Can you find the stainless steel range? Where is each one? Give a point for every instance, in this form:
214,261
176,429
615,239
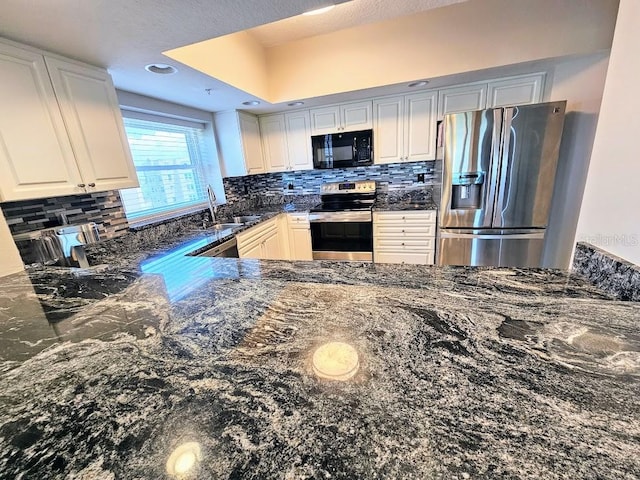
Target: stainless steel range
342,225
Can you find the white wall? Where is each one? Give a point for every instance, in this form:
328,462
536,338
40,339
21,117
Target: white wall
580,81
610,213
468,36
10,261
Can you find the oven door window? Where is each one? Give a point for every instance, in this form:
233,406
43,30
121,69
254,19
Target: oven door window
342,237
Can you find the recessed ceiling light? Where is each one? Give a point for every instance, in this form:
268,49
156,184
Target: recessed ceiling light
319,10
161,68
251,102
295,104
421,83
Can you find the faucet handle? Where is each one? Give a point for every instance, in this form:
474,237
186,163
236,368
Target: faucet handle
211,193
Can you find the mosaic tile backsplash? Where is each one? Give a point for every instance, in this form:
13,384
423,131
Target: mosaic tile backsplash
243,194
103,208
394,176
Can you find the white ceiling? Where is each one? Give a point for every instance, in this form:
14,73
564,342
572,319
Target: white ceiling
126,35
349,14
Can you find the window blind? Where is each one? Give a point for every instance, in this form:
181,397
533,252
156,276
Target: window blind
168,160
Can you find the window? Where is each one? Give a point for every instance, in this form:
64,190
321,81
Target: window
170,160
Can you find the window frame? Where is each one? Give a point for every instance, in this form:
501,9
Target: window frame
199,166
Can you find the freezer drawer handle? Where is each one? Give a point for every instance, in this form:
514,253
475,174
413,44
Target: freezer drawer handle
506,236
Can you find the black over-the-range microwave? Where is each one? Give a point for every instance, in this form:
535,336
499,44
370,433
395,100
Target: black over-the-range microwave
340,150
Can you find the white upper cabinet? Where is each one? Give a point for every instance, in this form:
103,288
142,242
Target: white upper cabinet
405,128
298,130
521,90
462,99
239,143
286,141
61,138
90,110
251,144
420,126
347,117
274,143
388,129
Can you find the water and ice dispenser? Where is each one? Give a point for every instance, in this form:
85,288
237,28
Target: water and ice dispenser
467,190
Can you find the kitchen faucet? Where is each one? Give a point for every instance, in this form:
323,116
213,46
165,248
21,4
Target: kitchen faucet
213,206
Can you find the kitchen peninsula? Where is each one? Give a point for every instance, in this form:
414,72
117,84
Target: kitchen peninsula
462,372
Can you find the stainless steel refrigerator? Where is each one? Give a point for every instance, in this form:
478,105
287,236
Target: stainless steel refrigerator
498,174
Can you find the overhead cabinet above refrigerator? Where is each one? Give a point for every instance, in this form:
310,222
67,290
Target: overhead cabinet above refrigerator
498,174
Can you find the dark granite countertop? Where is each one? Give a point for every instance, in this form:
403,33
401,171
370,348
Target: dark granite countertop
410,199
404,205
464,372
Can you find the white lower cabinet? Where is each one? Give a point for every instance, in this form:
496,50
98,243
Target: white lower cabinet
266,240
404,237
61,129
299,236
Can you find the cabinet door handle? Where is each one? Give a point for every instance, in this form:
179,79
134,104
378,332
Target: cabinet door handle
402,231
92,184
81,185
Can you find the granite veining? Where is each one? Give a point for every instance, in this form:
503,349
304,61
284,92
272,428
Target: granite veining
609,272
464,373
418,197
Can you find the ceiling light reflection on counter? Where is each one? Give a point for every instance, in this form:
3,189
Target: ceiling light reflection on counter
295,104
183,459
251,102
335,361
420,83
318,11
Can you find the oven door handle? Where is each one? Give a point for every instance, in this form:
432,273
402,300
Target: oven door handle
329,217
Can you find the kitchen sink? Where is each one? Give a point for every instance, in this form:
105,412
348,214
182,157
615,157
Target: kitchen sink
243,219
223,226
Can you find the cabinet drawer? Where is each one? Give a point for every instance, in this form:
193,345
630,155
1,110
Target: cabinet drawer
425,258
298,220
256,234
403,218
404,244
404,231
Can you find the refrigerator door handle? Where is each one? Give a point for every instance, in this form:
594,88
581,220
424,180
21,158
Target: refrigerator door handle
484,236
503,192
494,166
